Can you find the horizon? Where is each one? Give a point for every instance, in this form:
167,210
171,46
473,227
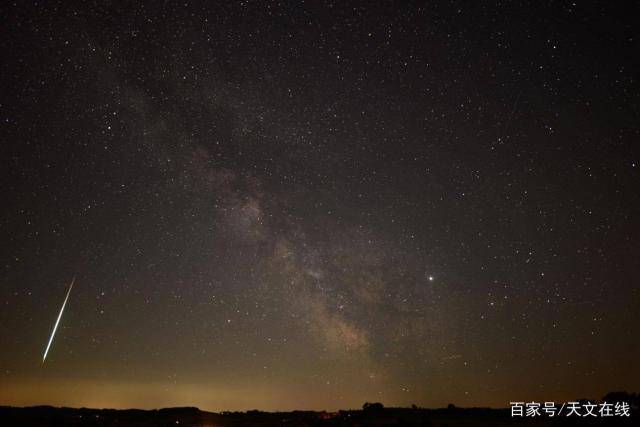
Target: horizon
449,407
202,398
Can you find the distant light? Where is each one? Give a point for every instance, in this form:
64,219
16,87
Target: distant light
431,278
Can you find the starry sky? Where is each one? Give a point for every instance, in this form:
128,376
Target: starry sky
310,205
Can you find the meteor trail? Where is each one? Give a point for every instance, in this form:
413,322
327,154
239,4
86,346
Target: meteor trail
57,321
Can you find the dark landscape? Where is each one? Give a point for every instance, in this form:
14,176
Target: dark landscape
371,414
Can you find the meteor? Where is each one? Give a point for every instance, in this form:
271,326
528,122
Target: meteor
53,333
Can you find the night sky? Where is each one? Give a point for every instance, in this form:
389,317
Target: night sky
310,205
